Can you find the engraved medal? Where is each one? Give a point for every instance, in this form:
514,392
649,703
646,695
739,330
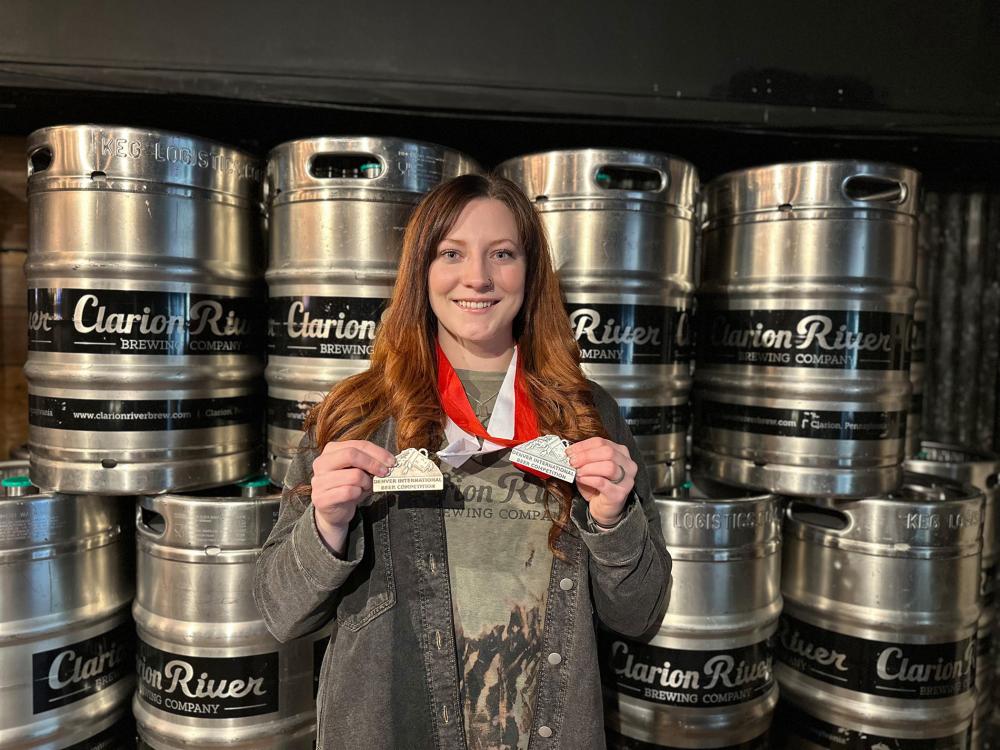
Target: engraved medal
546,454
413,471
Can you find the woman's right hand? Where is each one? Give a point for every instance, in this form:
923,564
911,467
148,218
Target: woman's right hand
342,479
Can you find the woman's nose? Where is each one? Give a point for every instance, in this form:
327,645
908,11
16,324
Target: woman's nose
477,274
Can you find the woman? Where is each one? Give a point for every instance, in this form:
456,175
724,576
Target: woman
465,617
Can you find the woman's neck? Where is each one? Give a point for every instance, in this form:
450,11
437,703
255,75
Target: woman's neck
468,355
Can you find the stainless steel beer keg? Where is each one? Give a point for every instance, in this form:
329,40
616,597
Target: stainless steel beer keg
804,313
66,637
337,211
704,679
982,470
878,633
210,674
144,356
622,226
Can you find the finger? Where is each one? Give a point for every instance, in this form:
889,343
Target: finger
354,456
603,452
338,496
375,451
605,469
324,484
585,445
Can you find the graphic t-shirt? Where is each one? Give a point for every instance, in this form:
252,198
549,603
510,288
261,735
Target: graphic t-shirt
499,560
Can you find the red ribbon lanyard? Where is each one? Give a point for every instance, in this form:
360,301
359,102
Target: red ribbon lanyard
457,407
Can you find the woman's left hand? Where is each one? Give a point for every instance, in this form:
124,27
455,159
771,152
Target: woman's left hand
605,474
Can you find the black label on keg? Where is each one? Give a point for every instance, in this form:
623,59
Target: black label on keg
805,423
71,673
111,321
789,720
289,415
821,339
656,420
208,687
325,327
114,415
319,652
631,334
617,741
675,677
912,671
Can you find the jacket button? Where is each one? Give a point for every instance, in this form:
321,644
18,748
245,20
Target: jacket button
544,731
555,658
566,584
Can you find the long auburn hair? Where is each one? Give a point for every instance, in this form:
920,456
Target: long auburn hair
401,381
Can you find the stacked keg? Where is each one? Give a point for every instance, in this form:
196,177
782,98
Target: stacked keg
704,679
982,470
145,363
621,226
805,332
66,639
143,348
209,672
337,209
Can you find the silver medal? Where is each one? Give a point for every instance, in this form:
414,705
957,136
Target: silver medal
413,471
546,454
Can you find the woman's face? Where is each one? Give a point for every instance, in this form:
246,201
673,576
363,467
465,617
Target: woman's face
476,279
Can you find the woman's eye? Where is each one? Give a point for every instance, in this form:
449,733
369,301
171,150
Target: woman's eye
449,254
503,254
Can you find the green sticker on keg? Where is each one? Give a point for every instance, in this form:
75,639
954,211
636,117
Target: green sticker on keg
261,481
18,481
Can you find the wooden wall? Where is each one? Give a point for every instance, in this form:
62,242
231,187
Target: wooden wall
13,294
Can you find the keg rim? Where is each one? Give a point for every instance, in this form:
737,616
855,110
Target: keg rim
778,166
908,177
287,145
244,183
680,194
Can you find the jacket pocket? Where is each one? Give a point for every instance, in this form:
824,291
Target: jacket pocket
370,590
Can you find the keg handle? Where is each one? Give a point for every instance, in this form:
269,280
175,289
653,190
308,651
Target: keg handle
40,159
150,521
631,177
345,166
868,188
829,519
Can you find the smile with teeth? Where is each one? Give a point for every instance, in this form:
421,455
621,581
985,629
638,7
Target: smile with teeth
474,305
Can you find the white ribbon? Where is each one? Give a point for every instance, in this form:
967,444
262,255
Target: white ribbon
462,446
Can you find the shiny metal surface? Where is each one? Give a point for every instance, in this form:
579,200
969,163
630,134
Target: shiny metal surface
66,582
717,689
804,313
210,674
881,598
622,226
337,210
982,470
144,262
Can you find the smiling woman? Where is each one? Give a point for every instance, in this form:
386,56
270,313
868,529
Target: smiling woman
476,286
468,609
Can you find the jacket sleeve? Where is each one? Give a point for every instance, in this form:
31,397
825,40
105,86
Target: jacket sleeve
297,576
629,563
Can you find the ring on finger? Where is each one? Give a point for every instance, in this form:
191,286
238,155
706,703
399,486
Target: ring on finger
621,475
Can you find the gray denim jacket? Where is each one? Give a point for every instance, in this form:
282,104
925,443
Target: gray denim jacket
390,675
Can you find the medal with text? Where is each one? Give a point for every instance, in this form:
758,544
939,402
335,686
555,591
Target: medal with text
546,454
413,471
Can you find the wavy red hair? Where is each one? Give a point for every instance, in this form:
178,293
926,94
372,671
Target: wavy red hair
402,379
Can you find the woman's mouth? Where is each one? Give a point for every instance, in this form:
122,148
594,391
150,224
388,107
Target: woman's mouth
468,304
